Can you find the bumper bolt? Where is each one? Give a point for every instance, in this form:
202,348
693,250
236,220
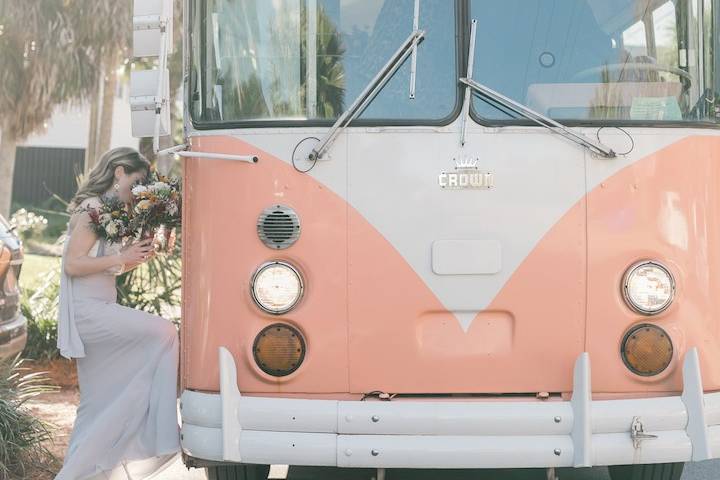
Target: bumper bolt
557,452
375,453
348,452
375,418
558,419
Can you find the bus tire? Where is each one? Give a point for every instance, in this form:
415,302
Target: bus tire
653,471
238,472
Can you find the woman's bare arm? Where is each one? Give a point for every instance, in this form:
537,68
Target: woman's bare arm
82,238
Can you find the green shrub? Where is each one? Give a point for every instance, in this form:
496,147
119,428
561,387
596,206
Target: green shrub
22,436
40,308
155,285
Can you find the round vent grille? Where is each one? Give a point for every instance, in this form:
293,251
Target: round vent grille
278,227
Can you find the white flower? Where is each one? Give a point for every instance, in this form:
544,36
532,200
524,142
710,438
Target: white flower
105,218
111,229
159,187
137,190
171,208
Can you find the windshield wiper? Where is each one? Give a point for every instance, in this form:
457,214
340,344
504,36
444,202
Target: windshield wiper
539,118
529,113
368,94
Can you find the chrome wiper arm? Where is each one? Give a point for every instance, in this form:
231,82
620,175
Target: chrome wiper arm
539,118
519,108
368,93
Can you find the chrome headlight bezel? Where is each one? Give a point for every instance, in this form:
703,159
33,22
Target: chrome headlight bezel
291,268
626,291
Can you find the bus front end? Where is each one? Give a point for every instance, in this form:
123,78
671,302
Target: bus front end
451,234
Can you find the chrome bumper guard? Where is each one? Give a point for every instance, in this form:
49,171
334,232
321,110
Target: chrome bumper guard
428,434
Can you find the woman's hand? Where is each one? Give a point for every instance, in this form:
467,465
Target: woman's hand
137,252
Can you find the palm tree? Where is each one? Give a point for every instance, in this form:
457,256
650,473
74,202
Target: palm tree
55,52
104,28
41,67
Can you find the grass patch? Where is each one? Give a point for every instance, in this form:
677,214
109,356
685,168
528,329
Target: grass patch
34,269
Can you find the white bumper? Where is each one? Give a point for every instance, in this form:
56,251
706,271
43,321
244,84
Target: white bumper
427,434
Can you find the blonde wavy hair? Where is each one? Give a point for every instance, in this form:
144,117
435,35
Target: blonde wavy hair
102,175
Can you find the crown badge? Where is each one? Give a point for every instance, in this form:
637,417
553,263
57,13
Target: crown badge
467,175
463,163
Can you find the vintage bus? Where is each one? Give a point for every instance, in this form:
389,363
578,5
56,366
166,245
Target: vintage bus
442,234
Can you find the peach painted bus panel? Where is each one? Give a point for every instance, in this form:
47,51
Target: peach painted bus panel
222,202
665,206
405,331
414,331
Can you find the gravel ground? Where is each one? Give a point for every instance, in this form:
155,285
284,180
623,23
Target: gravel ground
58,408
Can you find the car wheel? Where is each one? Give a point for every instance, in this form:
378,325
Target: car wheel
238,472
654,471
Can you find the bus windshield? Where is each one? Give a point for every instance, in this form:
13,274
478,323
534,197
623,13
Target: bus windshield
305,61
599,60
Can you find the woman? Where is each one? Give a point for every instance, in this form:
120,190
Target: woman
126,425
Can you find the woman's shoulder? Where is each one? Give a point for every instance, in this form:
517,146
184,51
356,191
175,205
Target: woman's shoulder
79,211
94,202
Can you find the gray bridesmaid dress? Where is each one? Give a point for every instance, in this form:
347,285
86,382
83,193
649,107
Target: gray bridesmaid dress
127,359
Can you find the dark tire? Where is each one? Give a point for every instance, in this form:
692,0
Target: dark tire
654,471
238,472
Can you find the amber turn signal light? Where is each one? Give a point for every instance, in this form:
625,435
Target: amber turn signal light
647,350
279,349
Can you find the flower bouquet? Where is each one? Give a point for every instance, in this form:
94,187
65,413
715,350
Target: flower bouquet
111,221
156,209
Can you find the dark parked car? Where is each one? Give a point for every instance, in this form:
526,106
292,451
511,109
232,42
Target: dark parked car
13,326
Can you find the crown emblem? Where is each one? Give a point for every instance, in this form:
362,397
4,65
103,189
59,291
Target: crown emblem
465,162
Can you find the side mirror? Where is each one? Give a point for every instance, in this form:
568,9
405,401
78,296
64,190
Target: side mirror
150,18
144,102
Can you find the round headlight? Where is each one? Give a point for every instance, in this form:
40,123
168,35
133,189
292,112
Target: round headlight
648,287
277,287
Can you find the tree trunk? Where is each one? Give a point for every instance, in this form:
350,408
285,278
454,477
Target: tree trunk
8,144
91,150
108,103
